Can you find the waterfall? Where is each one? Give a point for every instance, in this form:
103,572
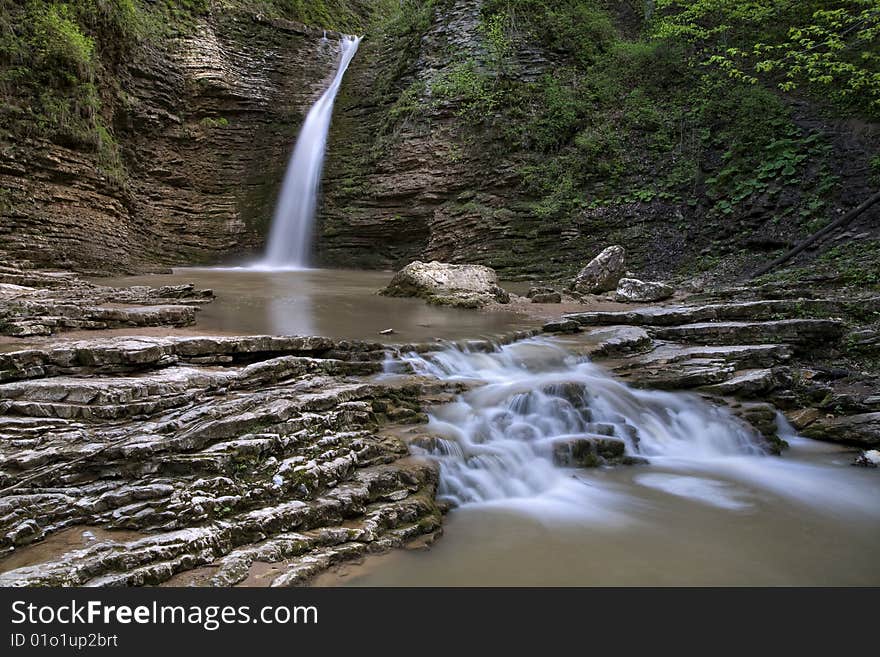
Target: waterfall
498,440
291,234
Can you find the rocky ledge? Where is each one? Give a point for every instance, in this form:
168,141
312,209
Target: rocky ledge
812,358
41,303
213,454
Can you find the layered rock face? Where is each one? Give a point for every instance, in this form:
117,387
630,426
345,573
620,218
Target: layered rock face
41,303
219,452
415,193
412,176
205,124
757,355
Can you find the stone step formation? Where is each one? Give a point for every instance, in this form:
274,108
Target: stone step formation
216,451
40,303
770,350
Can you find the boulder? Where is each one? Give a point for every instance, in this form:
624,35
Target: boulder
634,290
603,272
466,286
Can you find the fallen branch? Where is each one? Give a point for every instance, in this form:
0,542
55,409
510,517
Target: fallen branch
819,234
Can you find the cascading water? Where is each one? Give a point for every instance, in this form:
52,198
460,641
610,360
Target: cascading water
498,441
291,234
711,507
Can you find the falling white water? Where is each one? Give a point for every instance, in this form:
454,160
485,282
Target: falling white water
291,234
496,442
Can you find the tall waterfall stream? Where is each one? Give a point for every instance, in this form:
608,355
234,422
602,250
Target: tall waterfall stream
290,239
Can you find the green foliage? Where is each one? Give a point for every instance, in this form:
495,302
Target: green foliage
849,262
555,112
398,25
829,47
875,171
60,59
581,29
477,94
52,60
214,122
760,147
852,262
57,44
496,32
408,105
343,15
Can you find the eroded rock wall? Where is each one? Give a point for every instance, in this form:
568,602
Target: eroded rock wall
205,123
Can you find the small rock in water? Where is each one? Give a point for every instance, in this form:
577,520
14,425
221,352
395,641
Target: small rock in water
89,536
562,326
386,332
544,295
868,459
550,297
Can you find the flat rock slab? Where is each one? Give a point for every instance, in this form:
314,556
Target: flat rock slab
138,353
210,460
748,384
38,303
862,430
676,315
797,332
673,366
614,341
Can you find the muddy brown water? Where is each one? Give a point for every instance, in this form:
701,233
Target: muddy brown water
640,535
333,303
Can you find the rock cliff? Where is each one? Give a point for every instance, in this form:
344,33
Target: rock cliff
205,123
436,155
462,134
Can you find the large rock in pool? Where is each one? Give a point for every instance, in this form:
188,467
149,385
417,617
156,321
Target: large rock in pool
463,286
633,290
603,272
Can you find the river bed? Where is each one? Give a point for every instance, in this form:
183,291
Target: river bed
707,510
333,303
